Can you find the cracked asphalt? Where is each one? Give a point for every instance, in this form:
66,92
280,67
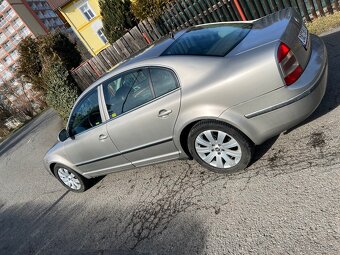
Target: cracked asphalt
286,202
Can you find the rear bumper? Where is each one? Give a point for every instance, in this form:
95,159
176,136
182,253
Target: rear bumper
270,114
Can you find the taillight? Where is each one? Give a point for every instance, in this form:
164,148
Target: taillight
289,65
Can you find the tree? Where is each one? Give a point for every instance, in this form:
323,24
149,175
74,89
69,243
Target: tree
59,44
143,9
4,113
29,64
5,104
35,52
23,104
117,18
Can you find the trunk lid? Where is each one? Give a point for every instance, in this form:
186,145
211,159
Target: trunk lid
284,26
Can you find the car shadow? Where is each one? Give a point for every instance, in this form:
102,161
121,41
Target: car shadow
331,99
74,228
262,149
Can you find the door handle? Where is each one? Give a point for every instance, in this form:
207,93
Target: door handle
102,137
164,113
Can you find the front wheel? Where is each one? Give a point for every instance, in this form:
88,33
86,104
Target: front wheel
70,179
219,147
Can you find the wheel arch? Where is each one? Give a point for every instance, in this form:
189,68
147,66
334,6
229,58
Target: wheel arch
54,163
51,167
185,132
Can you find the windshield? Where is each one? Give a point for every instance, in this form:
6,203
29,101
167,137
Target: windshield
209,40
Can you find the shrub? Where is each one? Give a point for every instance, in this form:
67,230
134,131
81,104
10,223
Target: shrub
117,18
143,9
61,92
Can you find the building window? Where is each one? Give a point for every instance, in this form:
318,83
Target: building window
14,54
101,35
87,11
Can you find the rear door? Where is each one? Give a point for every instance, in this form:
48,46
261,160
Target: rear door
90,148
143,113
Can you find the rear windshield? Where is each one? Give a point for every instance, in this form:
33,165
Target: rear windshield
209,40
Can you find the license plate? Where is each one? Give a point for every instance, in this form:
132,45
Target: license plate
303,36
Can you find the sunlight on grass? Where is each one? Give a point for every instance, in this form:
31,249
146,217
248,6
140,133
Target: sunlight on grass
324,24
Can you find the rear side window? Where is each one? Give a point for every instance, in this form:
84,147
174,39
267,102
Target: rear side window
209,40
163,81
140,91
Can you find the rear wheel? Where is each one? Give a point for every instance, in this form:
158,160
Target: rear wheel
70,179
219,147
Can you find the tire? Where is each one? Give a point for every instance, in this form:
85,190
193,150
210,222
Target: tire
77,182
219,147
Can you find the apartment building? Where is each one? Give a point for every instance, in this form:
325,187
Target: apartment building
84,18
19,19
45,13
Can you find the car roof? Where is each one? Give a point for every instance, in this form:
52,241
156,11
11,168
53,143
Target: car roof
153,51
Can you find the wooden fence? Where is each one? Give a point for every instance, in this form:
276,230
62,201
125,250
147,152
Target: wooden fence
135,40
184,13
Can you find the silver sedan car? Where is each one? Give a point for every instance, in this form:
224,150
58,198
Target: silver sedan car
211,92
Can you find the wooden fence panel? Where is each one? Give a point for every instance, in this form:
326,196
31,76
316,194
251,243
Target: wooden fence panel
320,8
329,6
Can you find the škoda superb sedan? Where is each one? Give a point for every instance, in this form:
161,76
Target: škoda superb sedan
210,92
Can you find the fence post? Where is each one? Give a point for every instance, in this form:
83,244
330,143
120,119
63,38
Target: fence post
239,9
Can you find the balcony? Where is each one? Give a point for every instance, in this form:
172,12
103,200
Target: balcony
9,31
3,5
8,61
6,75
3,22
15,56
17,24
9,15
16,41
24,32
2,53
8,47
2,39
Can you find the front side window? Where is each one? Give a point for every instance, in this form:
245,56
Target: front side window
102,36
86,114
87,11
127,91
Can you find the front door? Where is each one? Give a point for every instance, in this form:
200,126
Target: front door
90,149
143,106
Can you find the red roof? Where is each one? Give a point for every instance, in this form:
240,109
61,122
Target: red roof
55,4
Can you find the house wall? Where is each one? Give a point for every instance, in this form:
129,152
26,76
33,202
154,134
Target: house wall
85,30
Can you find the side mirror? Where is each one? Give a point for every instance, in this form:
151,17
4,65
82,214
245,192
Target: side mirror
63,135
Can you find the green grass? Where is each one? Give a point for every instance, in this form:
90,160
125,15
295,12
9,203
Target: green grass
324,24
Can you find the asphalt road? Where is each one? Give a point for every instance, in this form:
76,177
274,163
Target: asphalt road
287,202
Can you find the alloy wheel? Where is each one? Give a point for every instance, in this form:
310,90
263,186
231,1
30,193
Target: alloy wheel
69,179
218,149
